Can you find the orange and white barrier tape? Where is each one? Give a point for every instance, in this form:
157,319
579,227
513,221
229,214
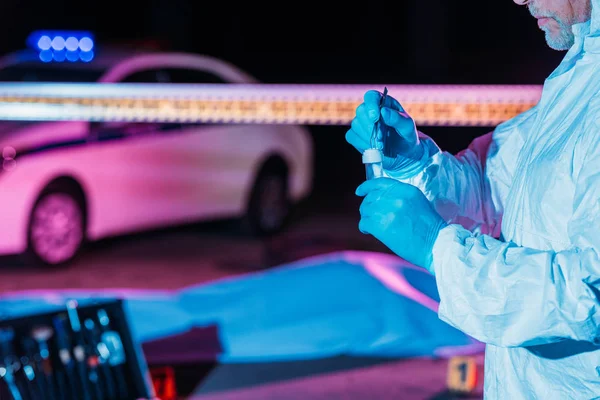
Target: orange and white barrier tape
429,105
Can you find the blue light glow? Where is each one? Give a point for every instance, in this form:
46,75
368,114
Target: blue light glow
72,43
46,55
44,43
58,43
86,44
59,56
86,56
72,56
62,46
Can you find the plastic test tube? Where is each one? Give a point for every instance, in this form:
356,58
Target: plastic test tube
373,160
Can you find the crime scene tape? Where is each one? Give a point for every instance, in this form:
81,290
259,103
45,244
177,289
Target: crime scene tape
429,105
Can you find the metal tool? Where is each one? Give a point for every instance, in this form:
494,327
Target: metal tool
66,377
9,363
98,358
113,342
79,350
30,362
42,335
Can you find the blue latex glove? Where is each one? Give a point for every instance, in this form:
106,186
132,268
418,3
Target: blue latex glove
400,216
403,149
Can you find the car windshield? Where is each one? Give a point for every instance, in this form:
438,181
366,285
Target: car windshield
41,73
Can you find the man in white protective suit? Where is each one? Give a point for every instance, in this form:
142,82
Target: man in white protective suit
510,227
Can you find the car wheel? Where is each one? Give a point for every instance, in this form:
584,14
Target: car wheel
56,228
270,206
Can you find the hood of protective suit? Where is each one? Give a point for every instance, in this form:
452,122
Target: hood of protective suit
586,33
594,23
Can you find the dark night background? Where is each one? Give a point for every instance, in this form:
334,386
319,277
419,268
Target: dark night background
407,41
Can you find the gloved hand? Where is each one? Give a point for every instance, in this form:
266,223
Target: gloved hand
400,216
403,149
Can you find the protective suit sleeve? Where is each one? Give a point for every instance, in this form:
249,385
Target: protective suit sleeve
512,296
469,188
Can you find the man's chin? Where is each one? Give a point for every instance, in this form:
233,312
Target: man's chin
557,47
560,43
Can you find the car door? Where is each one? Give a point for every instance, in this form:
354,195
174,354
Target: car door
223,156
143,178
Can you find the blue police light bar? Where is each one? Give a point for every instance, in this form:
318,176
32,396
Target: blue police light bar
62,46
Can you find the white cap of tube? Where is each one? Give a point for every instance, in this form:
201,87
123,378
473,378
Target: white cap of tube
371,156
